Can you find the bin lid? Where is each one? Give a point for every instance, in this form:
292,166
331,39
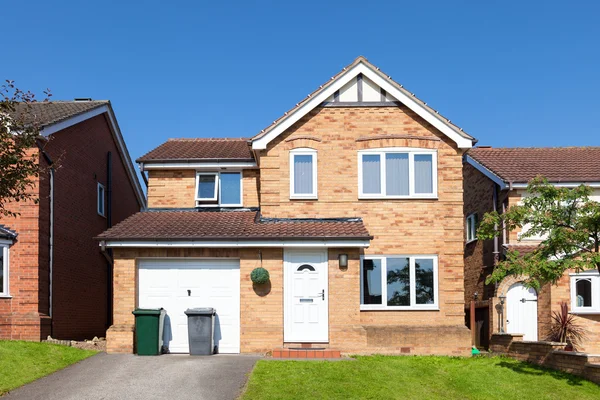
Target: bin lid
200,311
147,311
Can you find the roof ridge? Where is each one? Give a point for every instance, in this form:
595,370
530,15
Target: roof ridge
205,139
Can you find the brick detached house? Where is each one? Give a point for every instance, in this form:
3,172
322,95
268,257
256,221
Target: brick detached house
352,201
496,179
54,280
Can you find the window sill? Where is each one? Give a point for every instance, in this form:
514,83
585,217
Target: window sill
585,312
397,308
362,197
304,198
5,296
470,241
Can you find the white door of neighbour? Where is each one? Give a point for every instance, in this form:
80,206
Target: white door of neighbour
521,311
177,285
306,317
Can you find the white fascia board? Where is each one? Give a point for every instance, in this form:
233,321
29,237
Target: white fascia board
560,184
261,143
116,131
238,243
148,165
495,178
437,122
6,242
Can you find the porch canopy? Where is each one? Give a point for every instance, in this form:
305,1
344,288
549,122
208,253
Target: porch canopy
239,228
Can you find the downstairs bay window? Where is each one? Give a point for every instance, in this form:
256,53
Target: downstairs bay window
397,173
4,268
585,292
399,282
219,189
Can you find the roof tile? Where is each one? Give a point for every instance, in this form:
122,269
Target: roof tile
200,149
557,164
223,225
46,113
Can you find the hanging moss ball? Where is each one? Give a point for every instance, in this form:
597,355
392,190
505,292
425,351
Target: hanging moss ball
259,275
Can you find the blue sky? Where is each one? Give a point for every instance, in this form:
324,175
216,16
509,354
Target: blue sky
510,74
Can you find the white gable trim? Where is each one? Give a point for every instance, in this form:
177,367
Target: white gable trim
436,121
495,178
117,136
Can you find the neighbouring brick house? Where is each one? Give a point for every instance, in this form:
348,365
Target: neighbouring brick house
496,179
54,280
352,201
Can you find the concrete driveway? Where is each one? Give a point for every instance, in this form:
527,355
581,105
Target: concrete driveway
125,376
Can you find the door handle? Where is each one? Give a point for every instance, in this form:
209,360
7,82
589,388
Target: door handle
189,292
323,294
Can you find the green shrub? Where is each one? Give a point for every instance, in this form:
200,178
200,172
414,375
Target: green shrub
259,275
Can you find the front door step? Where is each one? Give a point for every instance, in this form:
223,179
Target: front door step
306,353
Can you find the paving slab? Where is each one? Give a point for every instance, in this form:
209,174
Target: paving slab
127,376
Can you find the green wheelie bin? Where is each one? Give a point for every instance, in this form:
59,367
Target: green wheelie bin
149,330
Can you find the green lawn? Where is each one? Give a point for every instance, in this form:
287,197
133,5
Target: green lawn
23,362
386,377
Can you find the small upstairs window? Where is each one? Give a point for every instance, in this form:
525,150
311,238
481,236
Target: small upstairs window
397,173
219,189
303,174
471,227
101,203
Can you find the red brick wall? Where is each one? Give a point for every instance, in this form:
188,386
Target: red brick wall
20,314
80,296
81,273
479,254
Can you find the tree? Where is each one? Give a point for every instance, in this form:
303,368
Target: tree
567,220
19,132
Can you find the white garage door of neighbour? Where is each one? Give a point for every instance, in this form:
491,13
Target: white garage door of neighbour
178,285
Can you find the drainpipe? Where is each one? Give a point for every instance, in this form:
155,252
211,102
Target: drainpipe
50,235
109,264
143,174
495,208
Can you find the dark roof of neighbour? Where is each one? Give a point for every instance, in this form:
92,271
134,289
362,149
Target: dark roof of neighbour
200,150
7,233
226,225
357,60
46,113
523,249
557,164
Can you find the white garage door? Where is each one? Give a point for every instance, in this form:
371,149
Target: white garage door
177,285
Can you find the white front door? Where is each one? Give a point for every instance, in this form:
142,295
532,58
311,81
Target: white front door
306,317
177,285
521,311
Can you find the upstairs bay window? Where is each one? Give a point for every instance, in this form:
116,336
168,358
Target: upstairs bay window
397,173
219,189
399,283
585,292
303,174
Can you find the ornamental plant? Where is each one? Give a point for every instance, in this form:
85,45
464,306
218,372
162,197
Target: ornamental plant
259,275
565,329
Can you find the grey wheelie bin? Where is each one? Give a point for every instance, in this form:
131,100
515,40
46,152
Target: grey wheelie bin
201,330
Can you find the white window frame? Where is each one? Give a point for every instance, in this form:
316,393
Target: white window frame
594,277
413,293
4,248
412,152
471,234
101,200
217,194
304,151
